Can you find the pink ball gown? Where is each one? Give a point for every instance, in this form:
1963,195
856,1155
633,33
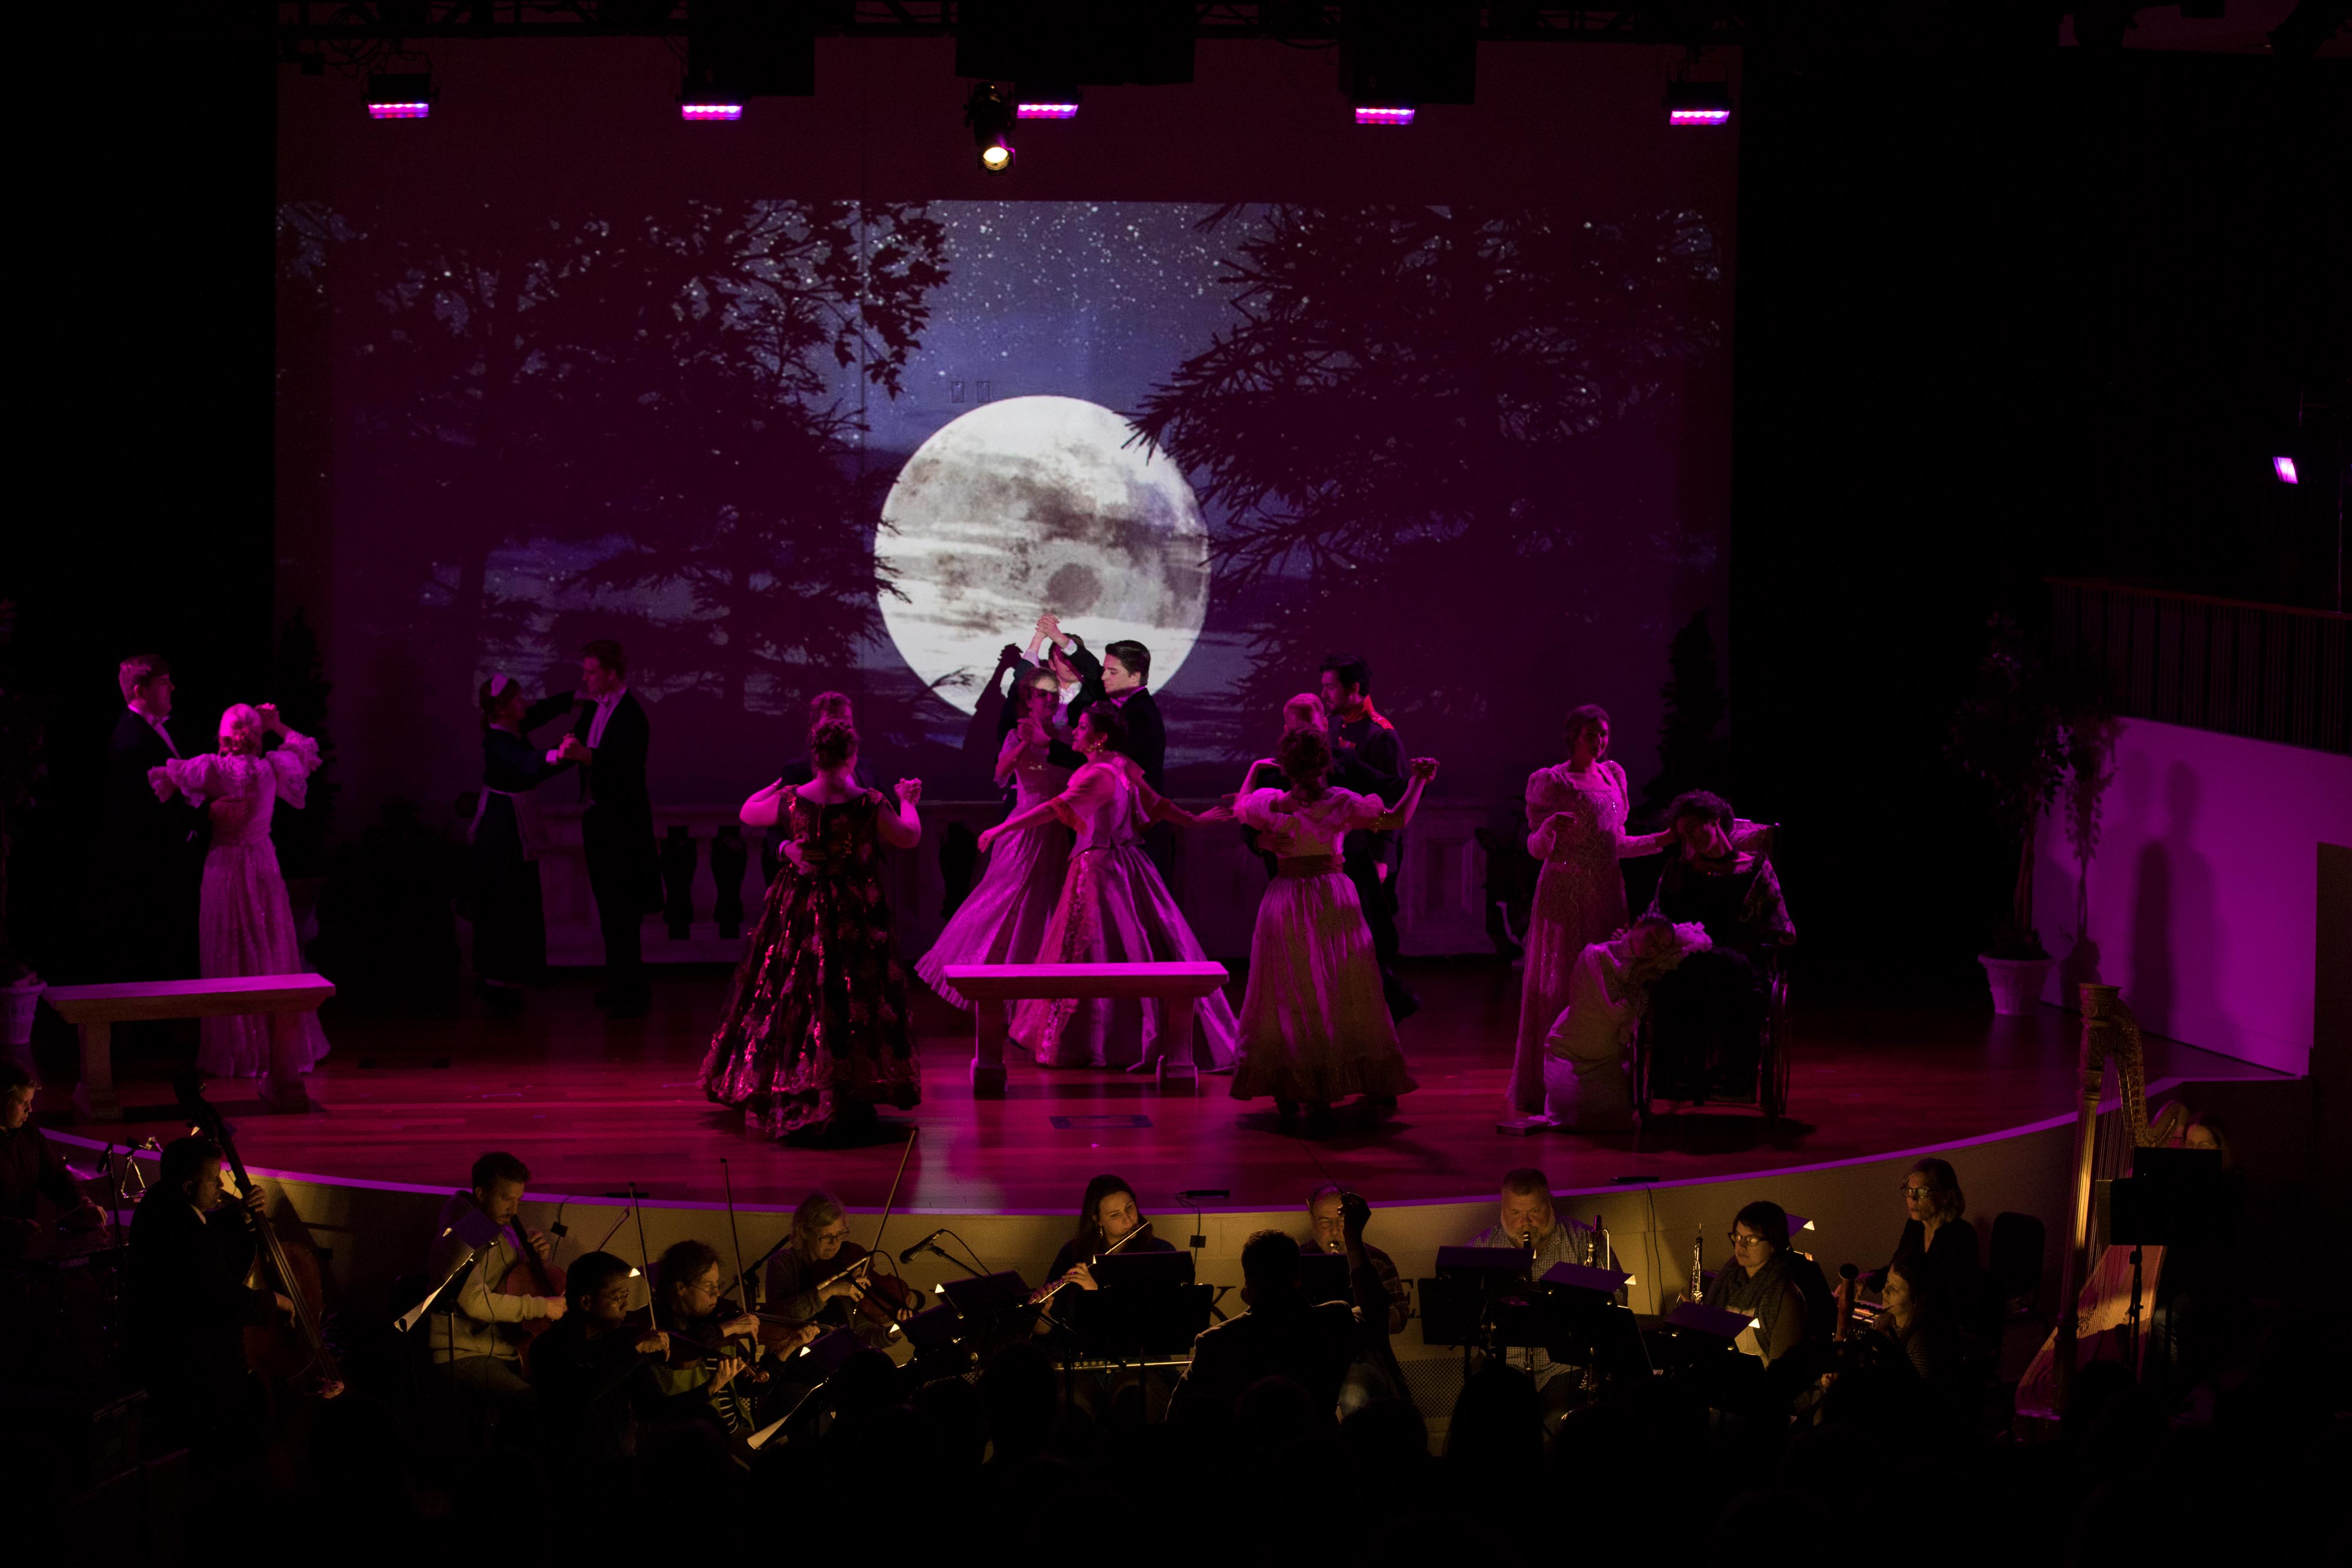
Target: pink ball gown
244,925
1114,909
1314,1026
1004,919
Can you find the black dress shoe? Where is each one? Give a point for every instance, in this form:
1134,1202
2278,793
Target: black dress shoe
1403,1005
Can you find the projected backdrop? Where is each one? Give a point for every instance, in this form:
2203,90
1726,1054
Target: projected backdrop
781,447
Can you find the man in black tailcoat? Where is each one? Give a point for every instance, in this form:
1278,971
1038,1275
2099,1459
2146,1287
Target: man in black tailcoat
610,739
142,918
1370,758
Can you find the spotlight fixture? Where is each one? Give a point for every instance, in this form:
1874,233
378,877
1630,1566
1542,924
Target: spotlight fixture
1384,114
403,96
1045,100
989,114
2284,468
1698,103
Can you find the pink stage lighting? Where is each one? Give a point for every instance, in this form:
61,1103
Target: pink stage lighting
712,108
2284,468
1388,114
1026,111
1698,103
405,97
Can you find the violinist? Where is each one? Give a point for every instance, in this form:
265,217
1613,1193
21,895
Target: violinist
1108,1217
714,1342
595,1370
476,1342
813,1278
189,1304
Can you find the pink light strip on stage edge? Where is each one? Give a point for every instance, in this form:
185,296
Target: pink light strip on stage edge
1383,116
1699,117
710,112
1045,111
399,110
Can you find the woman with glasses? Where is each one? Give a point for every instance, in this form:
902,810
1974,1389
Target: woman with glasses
1762,1280
1933,1227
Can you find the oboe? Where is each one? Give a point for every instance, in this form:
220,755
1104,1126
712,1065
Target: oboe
1698,1266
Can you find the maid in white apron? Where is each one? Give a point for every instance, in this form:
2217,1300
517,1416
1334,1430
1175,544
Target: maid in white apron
509,921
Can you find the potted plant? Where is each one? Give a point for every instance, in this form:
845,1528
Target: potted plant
2011,734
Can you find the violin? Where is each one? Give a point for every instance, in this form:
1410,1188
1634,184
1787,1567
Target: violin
886,1300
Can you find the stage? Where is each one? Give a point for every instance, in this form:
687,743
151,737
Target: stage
409,1098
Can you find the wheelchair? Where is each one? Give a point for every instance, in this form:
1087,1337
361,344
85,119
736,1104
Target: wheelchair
1668,1063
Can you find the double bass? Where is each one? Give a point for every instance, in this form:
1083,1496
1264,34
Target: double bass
295,1358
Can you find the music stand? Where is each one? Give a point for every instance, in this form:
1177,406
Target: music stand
1601,1334
2172,1196
1146,1305
1323,1277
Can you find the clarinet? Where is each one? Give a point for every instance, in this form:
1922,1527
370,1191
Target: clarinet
1698,1266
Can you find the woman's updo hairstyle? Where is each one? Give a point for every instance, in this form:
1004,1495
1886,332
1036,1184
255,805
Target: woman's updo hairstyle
1305,755
1108,723
832,742
493,693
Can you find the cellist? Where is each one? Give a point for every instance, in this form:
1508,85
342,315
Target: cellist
190,1252
475,1328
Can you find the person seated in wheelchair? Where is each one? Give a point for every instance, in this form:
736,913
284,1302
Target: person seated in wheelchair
1708,1013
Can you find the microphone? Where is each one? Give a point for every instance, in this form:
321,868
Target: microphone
908,1256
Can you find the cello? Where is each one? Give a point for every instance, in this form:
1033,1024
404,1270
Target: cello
295,1358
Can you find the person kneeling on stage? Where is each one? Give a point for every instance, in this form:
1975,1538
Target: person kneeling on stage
1710,1010
189,1304
32,1170
1281,1335
1585,1087
477,1343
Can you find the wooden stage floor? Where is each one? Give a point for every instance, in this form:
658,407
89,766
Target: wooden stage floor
592,1105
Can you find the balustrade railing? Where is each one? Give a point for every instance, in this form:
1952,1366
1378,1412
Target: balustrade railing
714,880
2269,672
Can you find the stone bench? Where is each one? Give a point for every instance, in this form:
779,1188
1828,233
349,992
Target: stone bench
1177,986
96,1009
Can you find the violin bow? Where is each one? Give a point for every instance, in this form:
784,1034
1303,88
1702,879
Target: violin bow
646,1261
735,1236
891,1201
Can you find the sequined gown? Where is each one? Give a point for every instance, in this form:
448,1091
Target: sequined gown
1579,900
817,1026
1314,1026
245,924
1114,909
1003,920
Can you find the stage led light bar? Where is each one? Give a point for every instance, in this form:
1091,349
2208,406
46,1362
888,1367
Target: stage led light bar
2284,468
1698,103
709,109
401,97
1384,114
1045,100
1025,111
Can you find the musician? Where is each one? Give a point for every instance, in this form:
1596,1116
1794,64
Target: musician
594,1370
689,1299
32,1170
1762,1282
807,1280
1528,1220
476,1347
1281,1335
1933,1227
1327,1232
1107,1216
188,1302
1923,1319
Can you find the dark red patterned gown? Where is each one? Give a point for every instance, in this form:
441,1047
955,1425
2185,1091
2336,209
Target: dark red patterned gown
817,1033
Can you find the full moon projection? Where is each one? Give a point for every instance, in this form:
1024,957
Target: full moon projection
1039,503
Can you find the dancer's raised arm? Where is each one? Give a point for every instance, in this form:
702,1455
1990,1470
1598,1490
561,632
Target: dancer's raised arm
763,808
901,828
1421,769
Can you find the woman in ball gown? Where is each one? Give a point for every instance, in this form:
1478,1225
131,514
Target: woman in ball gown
1576,826
1114,909
1004,919
246,926
509,917
1314,1026
817,1031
